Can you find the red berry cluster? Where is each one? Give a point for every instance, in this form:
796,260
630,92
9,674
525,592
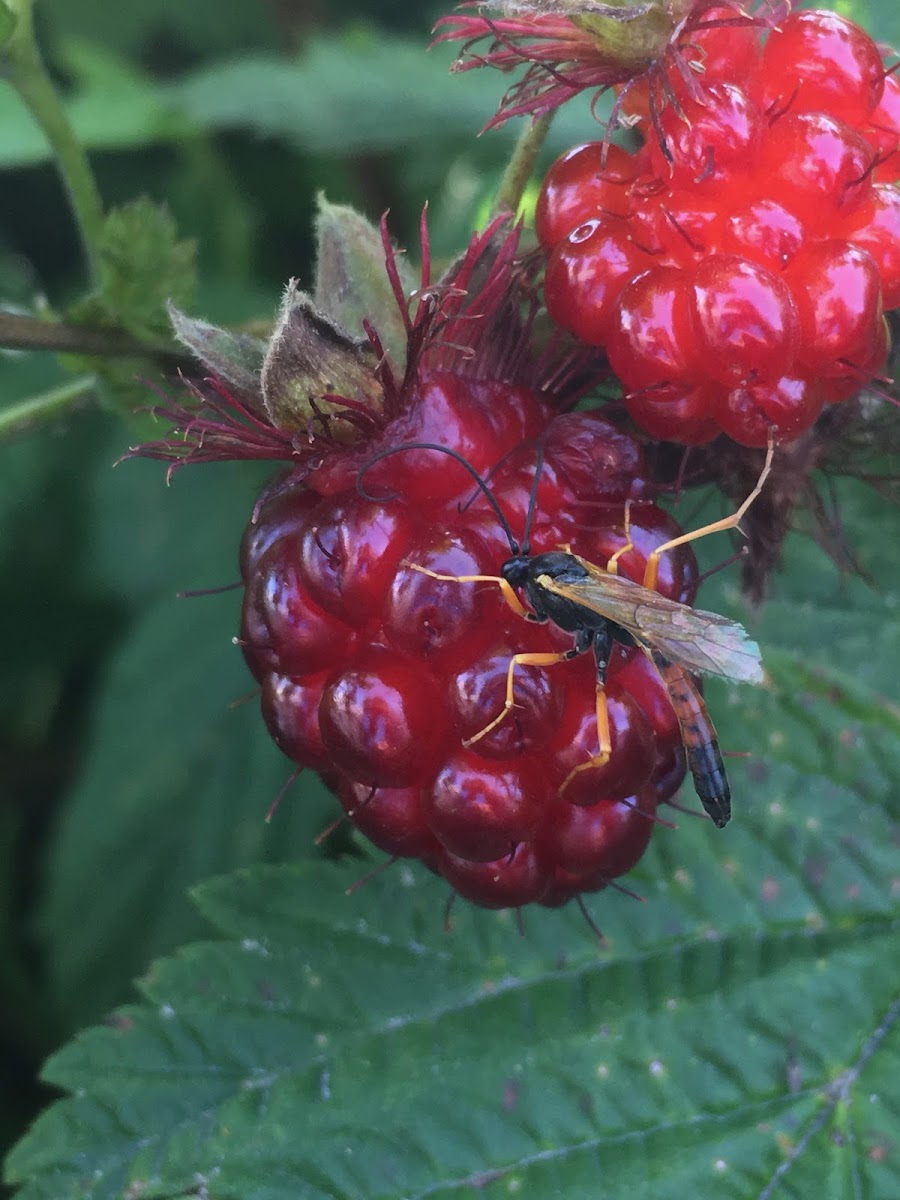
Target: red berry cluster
376,674
737,267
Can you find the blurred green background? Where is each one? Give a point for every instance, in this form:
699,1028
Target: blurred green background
125,773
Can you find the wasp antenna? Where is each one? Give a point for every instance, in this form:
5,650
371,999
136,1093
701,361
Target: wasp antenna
245,699
463,462
532,501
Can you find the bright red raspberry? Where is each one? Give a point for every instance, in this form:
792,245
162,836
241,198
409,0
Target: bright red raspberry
739,283
882,130
837,289
587,271
653,339
817,61
745,320
589,181
876,228
816,164
701,143
764,232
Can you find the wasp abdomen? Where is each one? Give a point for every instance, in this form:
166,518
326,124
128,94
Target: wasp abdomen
700,742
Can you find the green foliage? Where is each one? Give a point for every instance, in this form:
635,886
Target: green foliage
143,265
113,105
736,1036
738,1026
343,96
206,25
175,783
7,22
156,808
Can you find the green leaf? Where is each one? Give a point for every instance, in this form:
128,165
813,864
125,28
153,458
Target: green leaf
113,106
142,267
204,25
175,786
333,1046
367,94
7,22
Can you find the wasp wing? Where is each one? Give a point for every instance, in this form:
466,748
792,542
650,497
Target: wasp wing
701,641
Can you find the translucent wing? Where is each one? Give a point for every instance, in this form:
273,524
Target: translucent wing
699,640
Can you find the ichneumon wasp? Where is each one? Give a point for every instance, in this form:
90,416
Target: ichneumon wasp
601,609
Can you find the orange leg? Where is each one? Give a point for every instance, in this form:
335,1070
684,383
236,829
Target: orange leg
505,588
602,757
612,566
651,572
519,660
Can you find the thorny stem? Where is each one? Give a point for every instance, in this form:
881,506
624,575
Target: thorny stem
521,165
21,63
26,414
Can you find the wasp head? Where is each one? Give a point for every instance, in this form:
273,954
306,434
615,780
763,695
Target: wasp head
516,570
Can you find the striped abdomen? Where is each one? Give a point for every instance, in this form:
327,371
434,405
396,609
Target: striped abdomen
699,737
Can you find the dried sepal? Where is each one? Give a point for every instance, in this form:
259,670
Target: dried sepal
570,47
352,286
315,370
322,390
232,355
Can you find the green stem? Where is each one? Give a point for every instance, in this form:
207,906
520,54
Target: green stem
22,332
521,165
36,410
25,70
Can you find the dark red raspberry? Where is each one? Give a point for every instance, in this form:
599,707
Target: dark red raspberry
382,669
395,670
